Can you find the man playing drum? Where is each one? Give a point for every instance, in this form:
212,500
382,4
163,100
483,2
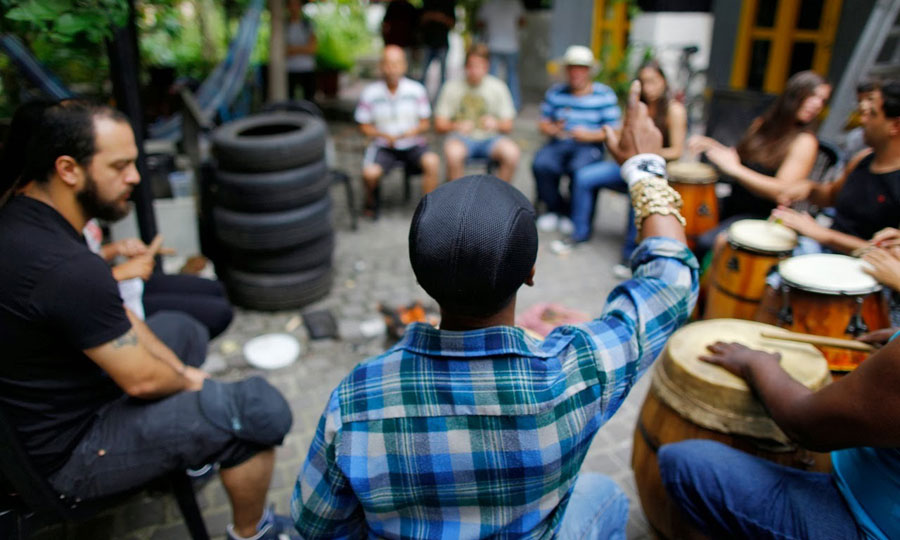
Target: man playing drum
867,197
476,430
729,494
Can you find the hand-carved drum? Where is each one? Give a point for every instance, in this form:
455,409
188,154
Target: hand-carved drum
827,295
696,182
738,278
690,399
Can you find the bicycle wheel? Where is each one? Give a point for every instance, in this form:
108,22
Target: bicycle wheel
695,101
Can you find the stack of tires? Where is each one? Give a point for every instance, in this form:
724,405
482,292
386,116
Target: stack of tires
271,210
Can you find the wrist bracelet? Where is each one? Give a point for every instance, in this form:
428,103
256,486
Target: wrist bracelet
654,195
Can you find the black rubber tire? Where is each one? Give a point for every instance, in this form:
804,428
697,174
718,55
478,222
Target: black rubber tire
271,191
269,142
316,252
273,292
272,230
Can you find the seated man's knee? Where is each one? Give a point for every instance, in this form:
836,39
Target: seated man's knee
455,151
186,336
372,173
682,462
430,162
506,151
545,162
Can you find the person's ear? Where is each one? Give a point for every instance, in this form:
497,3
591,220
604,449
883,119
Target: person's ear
68,170
894,128
530,279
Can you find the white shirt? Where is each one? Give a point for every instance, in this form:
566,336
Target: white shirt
394,113
501,21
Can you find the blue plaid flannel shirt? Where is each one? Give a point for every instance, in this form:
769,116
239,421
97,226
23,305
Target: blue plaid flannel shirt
481,434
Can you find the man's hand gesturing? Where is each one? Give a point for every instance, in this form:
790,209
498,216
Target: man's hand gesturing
639,134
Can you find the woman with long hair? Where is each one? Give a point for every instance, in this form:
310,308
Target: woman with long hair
668,114
778,151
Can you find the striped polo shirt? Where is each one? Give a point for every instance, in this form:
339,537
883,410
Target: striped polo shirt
591,111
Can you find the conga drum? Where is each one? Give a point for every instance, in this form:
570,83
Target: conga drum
696,182
738,274
827,295
690,399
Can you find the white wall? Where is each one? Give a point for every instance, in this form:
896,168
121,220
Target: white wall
667,33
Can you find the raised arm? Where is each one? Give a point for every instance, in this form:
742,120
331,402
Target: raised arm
677,124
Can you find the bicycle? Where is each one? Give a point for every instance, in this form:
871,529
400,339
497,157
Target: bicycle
690,89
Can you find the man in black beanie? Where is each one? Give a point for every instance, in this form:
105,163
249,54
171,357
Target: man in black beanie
476,430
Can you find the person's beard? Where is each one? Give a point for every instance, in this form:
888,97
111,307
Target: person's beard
95,207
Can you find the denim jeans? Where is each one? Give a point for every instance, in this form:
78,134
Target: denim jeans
556,158
597,509
587,184
730,494
511,67
435,53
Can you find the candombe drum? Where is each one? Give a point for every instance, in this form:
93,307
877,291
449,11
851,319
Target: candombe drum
690,399
827,295
696,182
738,278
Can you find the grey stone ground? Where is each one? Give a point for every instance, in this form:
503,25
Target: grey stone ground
371,266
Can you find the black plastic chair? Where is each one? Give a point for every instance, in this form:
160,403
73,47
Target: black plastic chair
28,499
829,160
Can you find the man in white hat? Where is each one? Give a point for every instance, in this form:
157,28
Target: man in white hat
572,116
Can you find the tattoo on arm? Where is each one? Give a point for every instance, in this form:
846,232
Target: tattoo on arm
128,339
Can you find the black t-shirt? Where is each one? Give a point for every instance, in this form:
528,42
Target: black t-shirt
434,33
867,202
743,202
401,17
57,298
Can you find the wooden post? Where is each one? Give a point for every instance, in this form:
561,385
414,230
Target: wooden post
277,68
123,67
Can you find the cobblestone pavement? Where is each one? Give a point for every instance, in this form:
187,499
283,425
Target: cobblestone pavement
372,266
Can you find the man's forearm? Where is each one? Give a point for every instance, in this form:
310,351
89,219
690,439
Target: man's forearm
839,241
783,397
154,345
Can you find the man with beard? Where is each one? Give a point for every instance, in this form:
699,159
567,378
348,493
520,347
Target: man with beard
101,401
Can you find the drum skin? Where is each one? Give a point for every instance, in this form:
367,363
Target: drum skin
738,281
690,399
826,315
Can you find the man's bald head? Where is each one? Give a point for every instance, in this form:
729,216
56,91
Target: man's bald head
393,65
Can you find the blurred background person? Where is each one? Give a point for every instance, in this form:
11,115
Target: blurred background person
437,19
300,52
500,21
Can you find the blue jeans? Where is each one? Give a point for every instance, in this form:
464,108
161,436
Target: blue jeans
597,509
477,148
435,53
556,158
587,184
511,63
730,494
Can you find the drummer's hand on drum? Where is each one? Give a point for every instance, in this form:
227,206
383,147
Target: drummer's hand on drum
725,158
737,358
699,144
639,134
878,337
887,237
798,191
885,267
801,222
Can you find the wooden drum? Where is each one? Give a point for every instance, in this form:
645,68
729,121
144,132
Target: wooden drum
696,182
738,278
827,295
690,399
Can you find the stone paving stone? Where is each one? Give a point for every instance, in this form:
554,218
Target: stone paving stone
371,266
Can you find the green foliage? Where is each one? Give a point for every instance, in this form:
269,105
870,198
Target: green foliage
62,21
341,33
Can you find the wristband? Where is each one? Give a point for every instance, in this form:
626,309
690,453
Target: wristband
641,166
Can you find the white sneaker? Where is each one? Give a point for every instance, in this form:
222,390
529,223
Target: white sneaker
621,271
566,227
547,222
562,247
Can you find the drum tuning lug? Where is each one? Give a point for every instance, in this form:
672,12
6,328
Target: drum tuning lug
703,210
857,326
785,314
733,264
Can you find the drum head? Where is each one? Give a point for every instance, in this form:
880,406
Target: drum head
715,399
828,274
688,172
762,235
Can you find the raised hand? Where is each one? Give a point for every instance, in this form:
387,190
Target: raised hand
639,134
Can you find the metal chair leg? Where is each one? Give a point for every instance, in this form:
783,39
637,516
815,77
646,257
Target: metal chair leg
183,490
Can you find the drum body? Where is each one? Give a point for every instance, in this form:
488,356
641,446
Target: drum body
690,399
827,295
738,275
696,183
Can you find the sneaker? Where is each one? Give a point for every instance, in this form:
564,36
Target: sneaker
565,226
563,247
621,271
271,527
547,222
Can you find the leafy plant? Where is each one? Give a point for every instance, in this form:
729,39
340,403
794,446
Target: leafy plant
341,33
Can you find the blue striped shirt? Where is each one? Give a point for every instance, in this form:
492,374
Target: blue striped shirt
591,111
477,434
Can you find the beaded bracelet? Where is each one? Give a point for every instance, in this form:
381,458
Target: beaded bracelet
654,195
